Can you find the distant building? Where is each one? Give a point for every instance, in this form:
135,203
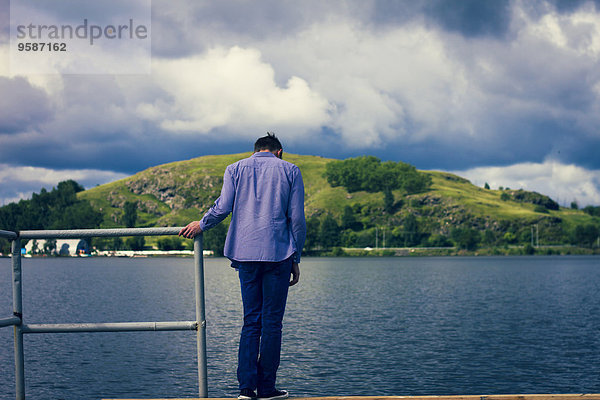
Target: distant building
64,247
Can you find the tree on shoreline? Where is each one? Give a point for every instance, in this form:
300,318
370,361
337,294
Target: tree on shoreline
55,209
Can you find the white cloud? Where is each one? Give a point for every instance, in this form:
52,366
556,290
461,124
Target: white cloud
51,176
562,182
17,182
385,84
4,60
231,88
50,83
578,32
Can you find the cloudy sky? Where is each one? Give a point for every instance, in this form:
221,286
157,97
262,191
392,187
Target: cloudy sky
499,91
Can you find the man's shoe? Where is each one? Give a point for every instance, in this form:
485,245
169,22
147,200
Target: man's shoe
275,395
247,394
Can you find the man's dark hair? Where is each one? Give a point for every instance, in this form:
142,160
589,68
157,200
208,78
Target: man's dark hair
269,142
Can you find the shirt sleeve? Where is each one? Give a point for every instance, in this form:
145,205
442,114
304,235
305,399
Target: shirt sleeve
296,214
222,206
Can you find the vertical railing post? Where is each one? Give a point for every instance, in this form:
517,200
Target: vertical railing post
200,316
18,311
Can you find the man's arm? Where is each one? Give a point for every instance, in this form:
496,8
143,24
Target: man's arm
296,215
217,213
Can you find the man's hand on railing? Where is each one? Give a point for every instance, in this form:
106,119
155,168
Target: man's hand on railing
191,230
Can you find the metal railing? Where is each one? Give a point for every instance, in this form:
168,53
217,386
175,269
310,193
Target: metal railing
20,328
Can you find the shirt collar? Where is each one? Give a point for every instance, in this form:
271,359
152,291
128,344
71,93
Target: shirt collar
263,154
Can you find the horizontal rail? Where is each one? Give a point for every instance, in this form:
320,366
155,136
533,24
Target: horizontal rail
88,233
199,325
10,321
111,327
8,234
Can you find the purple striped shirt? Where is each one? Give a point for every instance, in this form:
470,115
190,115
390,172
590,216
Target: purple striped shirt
265,196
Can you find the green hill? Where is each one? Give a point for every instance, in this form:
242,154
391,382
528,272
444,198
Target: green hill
176,193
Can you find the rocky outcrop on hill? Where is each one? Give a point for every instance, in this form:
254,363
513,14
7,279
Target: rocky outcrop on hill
176,189
533,198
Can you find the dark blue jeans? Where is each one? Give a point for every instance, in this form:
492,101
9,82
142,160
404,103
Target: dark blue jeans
264,294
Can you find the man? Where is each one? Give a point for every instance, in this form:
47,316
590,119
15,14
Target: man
265,196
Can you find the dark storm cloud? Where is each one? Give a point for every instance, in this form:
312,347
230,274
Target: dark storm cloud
130,153
245,20
450,152
391,12
470,18
22,106
74,11
257,19
513,141
571,5
574,149
183,27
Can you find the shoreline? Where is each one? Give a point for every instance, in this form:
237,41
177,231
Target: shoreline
366,252
456,252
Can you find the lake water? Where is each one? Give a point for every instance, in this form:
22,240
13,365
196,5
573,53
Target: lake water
353,326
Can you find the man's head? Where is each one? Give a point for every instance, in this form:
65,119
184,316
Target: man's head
269,143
